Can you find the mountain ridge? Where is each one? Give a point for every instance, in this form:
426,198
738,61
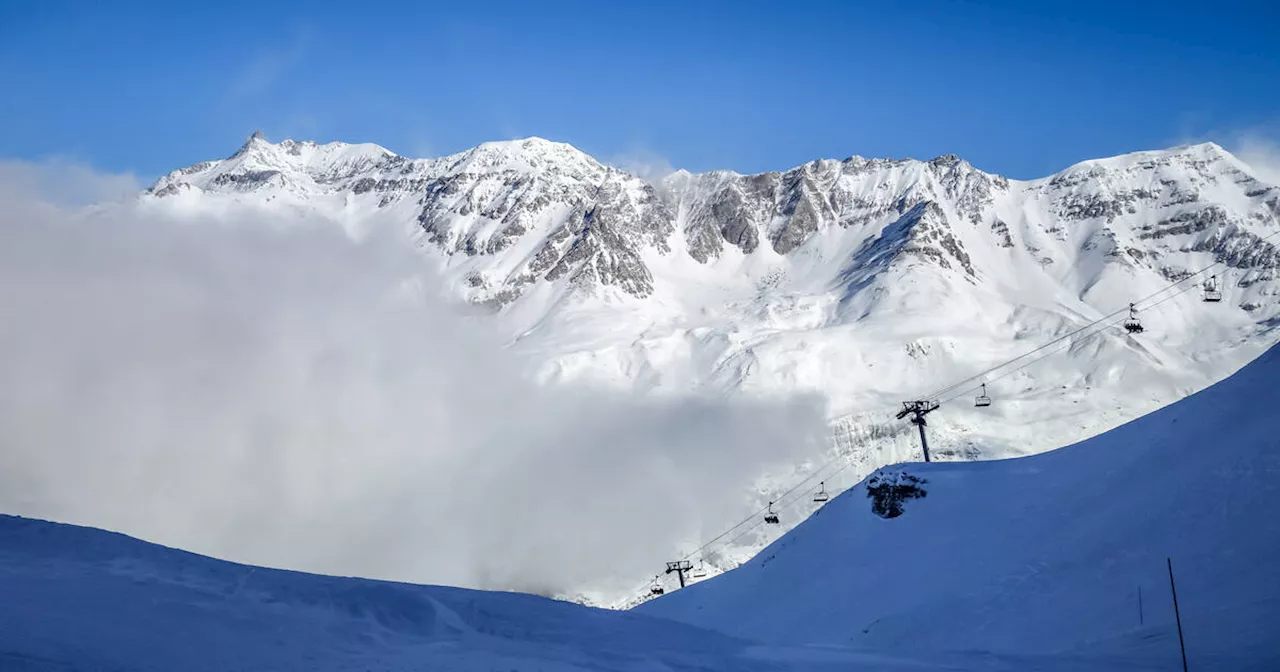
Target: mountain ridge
483,200
868,281
257,138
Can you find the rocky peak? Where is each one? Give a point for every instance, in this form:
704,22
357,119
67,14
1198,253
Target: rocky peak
529,156
947,161
256,142
299,167
517,213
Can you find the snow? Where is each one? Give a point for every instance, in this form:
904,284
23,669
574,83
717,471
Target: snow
1005,564
862,312
1019,564
80,598
527,156
1044,554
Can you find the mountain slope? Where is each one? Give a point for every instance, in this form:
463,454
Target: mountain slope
513,216
78,598
1044,553
869,281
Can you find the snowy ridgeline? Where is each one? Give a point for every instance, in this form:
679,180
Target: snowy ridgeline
868,281
1029,563
1043,554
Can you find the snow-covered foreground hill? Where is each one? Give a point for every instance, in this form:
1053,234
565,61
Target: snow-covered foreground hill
79,598
1025,564
1044,554
869,281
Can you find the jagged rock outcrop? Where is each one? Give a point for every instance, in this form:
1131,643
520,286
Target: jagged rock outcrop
533,211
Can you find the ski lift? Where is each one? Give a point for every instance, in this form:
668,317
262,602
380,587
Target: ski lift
770,517
700,571
1133,325
982,400
1211,292
821,495
656,589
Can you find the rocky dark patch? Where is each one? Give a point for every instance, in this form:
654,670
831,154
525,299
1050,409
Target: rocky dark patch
889,491
1001,231
1092,206
1185,222
247,178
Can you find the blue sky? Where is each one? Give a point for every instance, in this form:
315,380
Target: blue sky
1018,88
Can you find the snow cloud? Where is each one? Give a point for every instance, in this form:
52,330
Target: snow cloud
1261,152
645,164
62,182
271,391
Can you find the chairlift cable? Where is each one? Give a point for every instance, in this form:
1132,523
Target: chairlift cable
1144,299
1101,330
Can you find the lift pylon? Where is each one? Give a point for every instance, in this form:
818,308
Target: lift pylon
917,410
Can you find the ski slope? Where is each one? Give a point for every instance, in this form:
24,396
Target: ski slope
1045,554
77,598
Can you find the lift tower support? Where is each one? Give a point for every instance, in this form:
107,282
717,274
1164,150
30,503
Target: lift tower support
917,410
679,567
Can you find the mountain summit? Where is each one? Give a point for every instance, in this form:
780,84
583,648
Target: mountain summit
534,212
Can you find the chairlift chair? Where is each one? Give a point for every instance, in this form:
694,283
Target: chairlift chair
700,571
982,400
1133,325
656,589
821,495
770,517
1211,292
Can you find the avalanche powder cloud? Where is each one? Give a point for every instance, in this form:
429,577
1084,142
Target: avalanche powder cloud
271,391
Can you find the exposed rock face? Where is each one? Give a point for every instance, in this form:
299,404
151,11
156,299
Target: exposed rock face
789,209
888,492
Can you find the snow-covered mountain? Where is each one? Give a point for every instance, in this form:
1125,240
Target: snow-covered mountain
870,281
1063,555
